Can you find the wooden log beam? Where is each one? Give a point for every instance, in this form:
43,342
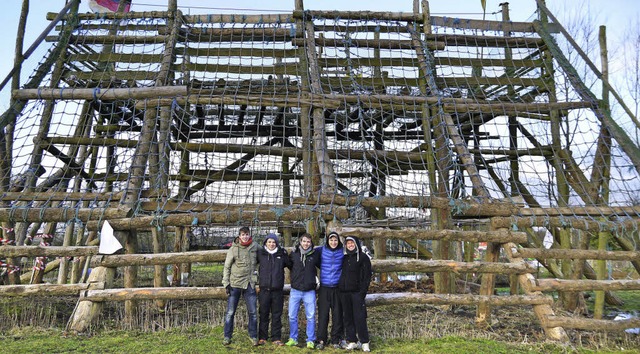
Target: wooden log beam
576,254
99,94
121,260
58,196
115,16
413,62
48,289
460,207
367,43
116,57
237,52
580,223
24,214
166,293
498,236
585,285
437,21
455,299
581,211
48,251
591,324
424,266
225,217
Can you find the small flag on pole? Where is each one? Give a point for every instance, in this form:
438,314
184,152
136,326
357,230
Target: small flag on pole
108,5
484,5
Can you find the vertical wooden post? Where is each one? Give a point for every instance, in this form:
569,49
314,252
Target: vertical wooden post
600,175
487,286
513,135
568,299
63,270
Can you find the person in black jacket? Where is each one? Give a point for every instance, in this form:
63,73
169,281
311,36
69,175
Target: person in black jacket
272,259
304,261
353,285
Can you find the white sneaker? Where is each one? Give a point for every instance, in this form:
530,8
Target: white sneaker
365,347
352,346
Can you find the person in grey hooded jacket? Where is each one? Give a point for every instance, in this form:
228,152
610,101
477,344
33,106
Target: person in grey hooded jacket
239,278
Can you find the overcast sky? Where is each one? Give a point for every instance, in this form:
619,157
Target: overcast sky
616,14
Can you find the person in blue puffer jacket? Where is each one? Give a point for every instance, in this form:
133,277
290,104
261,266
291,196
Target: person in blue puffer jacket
331,255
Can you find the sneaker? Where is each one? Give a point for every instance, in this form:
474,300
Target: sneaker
365,347
278,343
255,342
341,345
310,345
352,346
262,342
320,345
291,342
226,341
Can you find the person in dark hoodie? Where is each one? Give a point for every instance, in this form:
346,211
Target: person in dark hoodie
331,255
272,259
304,261
239,279
354,284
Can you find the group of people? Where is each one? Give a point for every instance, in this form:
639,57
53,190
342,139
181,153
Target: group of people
345,274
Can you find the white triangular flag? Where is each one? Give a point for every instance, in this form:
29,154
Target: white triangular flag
109,244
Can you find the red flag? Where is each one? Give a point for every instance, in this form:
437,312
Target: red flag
108,5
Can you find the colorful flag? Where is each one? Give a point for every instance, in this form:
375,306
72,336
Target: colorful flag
108,5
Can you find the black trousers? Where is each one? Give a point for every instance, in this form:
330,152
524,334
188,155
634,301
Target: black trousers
271,303
329,301
355,317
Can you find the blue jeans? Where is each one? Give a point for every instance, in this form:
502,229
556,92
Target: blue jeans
250,298
309,300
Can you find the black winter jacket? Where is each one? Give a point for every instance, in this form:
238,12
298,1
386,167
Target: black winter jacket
304,269
356,271
271,268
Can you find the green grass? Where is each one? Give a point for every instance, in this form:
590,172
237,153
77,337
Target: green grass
631,300
207,268
202,339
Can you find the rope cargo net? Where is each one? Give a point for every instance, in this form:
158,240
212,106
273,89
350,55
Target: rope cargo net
403,110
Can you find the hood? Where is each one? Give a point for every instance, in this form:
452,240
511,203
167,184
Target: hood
336,235
355,251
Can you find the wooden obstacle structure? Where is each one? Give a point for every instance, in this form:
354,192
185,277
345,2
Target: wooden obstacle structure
380,125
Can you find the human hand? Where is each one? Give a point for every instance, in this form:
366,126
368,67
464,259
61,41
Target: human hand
228,289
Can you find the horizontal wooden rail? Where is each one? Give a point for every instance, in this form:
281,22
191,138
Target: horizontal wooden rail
47,251
439,235
377,299
415,265
592,324
99,94
584,285
121,260
61,214
166,293
577,254
48,289
224,217
460,208
455,299
567,221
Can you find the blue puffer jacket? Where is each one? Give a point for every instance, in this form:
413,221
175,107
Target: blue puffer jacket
330,265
